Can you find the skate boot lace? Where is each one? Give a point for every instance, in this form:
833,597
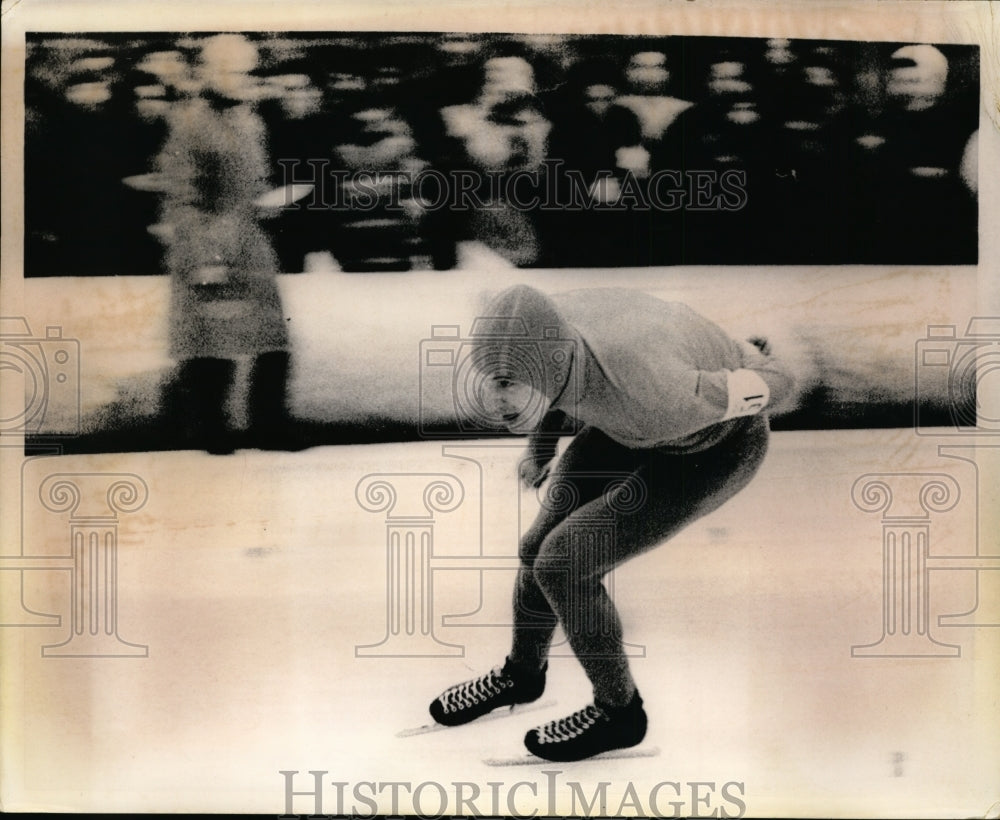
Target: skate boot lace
568,728
473,692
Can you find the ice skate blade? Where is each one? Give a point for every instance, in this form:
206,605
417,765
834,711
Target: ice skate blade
496,714
615,754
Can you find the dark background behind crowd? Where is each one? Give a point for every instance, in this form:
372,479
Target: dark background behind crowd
853,152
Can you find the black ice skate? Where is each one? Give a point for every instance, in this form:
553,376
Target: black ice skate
506,686
590,731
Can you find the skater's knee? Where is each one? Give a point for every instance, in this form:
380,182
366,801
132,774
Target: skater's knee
562,574
527,550
553,576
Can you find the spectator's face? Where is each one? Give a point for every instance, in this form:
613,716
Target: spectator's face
234,85
458,47
167,66
150,101
386,77
379,123
301,102
599,98
779,52
820,77
518,132
226,63
342,87
507,76
727,78
918,77
647,71
90,95
299,97
743,113
343,82
151,109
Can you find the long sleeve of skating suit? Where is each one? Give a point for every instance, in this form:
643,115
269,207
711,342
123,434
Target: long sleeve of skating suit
650,373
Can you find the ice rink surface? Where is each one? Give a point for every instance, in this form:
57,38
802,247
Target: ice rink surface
259,584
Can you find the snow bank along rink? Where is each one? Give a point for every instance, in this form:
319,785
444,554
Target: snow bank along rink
356,337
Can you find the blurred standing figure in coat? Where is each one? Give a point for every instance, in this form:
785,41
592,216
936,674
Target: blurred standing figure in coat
225,303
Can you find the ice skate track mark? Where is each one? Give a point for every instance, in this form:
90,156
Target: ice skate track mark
494,715
528,759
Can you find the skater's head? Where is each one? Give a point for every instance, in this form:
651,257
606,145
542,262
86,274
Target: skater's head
522,352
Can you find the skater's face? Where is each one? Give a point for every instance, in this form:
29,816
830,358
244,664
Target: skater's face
519,405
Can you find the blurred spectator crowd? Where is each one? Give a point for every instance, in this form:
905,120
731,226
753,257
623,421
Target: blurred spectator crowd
690,150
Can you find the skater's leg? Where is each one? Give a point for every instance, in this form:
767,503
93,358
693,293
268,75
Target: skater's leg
662,497
582,474
522,678
203,389
267,400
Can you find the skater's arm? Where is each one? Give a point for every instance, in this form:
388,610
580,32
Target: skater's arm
542,445
757,356
544,441
762,383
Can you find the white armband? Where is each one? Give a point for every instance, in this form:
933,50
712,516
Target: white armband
748,393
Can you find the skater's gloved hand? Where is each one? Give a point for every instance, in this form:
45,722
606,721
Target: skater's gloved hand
533,471
759,356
